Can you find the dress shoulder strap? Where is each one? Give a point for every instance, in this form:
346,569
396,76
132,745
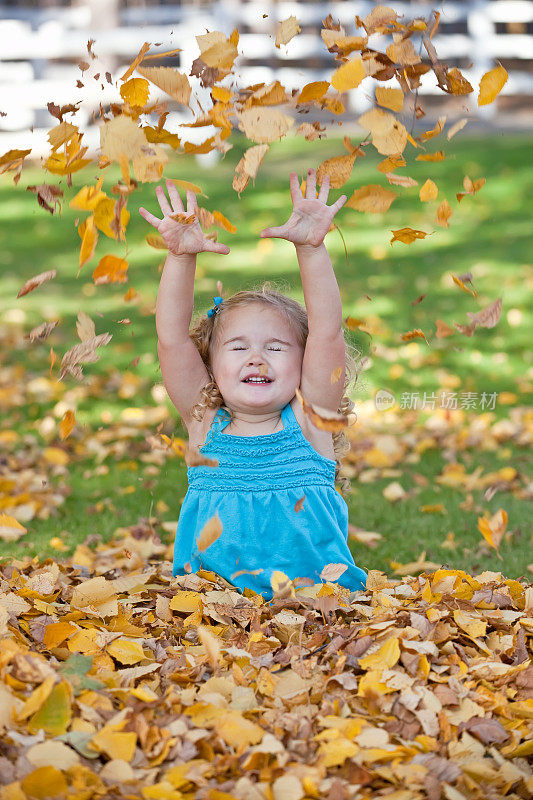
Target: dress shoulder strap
288,418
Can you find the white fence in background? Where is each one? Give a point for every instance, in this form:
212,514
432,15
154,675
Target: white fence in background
40,49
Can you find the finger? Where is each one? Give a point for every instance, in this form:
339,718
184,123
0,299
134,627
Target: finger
310,186
324,189
192,205
149,217
296,192
339,203
267,233
163,202
174,195
216,247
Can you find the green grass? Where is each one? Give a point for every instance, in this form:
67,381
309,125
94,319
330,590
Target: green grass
489,235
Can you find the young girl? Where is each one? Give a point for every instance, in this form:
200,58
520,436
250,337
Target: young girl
233,378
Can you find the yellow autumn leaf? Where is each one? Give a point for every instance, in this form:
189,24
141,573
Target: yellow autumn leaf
473,626
136,91
156,241
373,199
338,168
223,222
389,97
126,651
89,239
389,136
10,528
444,212
313,91
428,191
349,75
186,601
67,424
111,269
407,235
44,782
491,84
492,529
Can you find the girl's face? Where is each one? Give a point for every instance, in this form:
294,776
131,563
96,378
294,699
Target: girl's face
256,341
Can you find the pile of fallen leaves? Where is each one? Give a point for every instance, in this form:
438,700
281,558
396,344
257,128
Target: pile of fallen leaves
119,680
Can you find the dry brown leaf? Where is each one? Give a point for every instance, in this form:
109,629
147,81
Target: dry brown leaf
38,280
287,30
487,317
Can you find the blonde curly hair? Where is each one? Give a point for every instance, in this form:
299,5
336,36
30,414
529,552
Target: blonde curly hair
203,333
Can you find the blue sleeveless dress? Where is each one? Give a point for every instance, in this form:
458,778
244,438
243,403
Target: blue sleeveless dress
254,490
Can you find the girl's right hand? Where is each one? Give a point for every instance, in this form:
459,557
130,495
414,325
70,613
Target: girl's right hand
181,238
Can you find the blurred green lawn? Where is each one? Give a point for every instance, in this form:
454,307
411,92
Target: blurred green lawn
489,236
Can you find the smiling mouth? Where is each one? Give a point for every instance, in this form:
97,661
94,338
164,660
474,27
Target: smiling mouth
257,381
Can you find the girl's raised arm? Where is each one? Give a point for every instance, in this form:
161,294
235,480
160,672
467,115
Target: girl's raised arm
184,373
325,347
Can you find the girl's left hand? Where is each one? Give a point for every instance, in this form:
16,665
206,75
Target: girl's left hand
311,218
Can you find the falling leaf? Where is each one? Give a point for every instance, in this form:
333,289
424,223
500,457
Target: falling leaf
209,533
111,269
487,317
434,131
223,222
470,187
459,125
287,30
491,84
313,91
403,53
169,80
89,239
415,334
407,235
83,353
389,136
248,166
137,60
428,191
41,332
135,91
332,572
66,425
389,98
444,212
463,286
438,156
156,241
492,529
349,75
400,180
322,418
38,280
443,330
47,196
264,125
371,199
85,326
299,504
338,169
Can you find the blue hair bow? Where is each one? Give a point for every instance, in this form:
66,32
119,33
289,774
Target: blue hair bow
216,307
